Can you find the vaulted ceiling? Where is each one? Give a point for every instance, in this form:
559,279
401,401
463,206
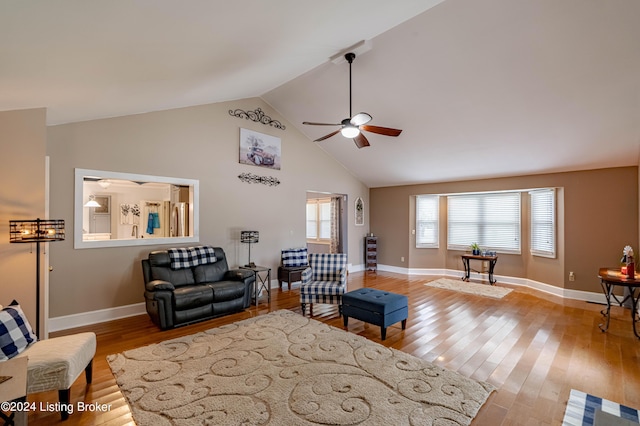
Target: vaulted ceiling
480,89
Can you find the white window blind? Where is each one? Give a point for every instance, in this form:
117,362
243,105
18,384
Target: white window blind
319,219
490,219
427,213
324,208
312,220
543,222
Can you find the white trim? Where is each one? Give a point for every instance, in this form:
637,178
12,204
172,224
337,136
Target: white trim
79,243
110,314
351,268
564,293
44,300
94,317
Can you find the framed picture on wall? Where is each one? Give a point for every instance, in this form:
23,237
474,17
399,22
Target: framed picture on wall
105,204
359,209
259,149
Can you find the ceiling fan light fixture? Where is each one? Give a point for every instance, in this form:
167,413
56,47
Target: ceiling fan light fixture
360,119
350,131
353,127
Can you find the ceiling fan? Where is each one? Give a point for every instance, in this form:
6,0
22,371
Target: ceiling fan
352,127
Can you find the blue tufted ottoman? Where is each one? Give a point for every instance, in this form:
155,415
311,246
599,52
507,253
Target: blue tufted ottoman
375,307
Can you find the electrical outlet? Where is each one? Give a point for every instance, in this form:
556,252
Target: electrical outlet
572,276
402,259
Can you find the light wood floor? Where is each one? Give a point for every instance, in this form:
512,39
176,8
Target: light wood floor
533,347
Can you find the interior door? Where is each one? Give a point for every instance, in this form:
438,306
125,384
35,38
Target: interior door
100,217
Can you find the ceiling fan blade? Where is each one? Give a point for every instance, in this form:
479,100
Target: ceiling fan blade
387,131
360,119
321,124
361,141
327,136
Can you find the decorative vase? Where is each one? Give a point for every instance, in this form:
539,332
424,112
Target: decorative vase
631,267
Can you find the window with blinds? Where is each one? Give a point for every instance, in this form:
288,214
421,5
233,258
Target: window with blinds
318,219
427,213
490,219
543,222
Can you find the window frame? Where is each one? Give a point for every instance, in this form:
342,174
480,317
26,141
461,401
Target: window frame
318,202
550,225
436,222
81,196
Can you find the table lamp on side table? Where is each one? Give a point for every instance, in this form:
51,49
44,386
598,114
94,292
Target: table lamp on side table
249,237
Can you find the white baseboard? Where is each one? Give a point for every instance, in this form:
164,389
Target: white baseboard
355,268
394,269
93,317
102,315
564,293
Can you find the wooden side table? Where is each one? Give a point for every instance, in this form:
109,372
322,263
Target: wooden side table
611,277
466,258
290,274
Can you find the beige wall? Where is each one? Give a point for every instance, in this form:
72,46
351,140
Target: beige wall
201,143
598,216
22,196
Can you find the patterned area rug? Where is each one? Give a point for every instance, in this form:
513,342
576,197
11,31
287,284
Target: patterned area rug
584,410
471,288
286,369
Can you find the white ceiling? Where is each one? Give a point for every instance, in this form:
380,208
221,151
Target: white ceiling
480,89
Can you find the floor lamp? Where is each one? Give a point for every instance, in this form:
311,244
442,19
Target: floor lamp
36,231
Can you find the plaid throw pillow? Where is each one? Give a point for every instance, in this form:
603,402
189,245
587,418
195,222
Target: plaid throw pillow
15,332
180,258
203,254
295,257
186,257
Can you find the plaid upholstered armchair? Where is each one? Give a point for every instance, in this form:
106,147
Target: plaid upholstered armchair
325,281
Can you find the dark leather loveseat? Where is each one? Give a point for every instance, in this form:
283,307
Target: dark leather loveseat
180,296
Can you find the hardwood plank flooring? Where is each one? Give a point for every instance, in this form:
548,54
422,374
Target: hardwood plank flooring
532,346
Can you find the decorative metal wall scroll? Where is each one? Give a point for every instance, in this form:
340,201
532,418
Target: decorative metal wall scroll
265,180
258,116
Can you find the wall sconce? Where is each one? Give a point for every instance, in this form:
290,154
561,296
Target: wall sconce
249,237
36,231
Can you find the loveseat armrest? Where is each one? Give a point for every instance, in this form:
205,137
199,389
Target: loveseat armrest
343,276
248,277
157,285
307,275
238,274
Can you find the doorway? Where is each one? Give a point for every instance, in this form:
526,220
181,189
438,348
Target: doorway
100,217
327,224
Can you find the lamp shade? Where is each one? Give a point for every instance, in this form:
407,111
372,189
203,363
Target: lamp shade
36,230
249,236
92,202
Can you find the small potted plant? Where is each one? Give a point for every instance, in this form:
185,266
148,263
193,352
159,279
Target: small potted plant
475,249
